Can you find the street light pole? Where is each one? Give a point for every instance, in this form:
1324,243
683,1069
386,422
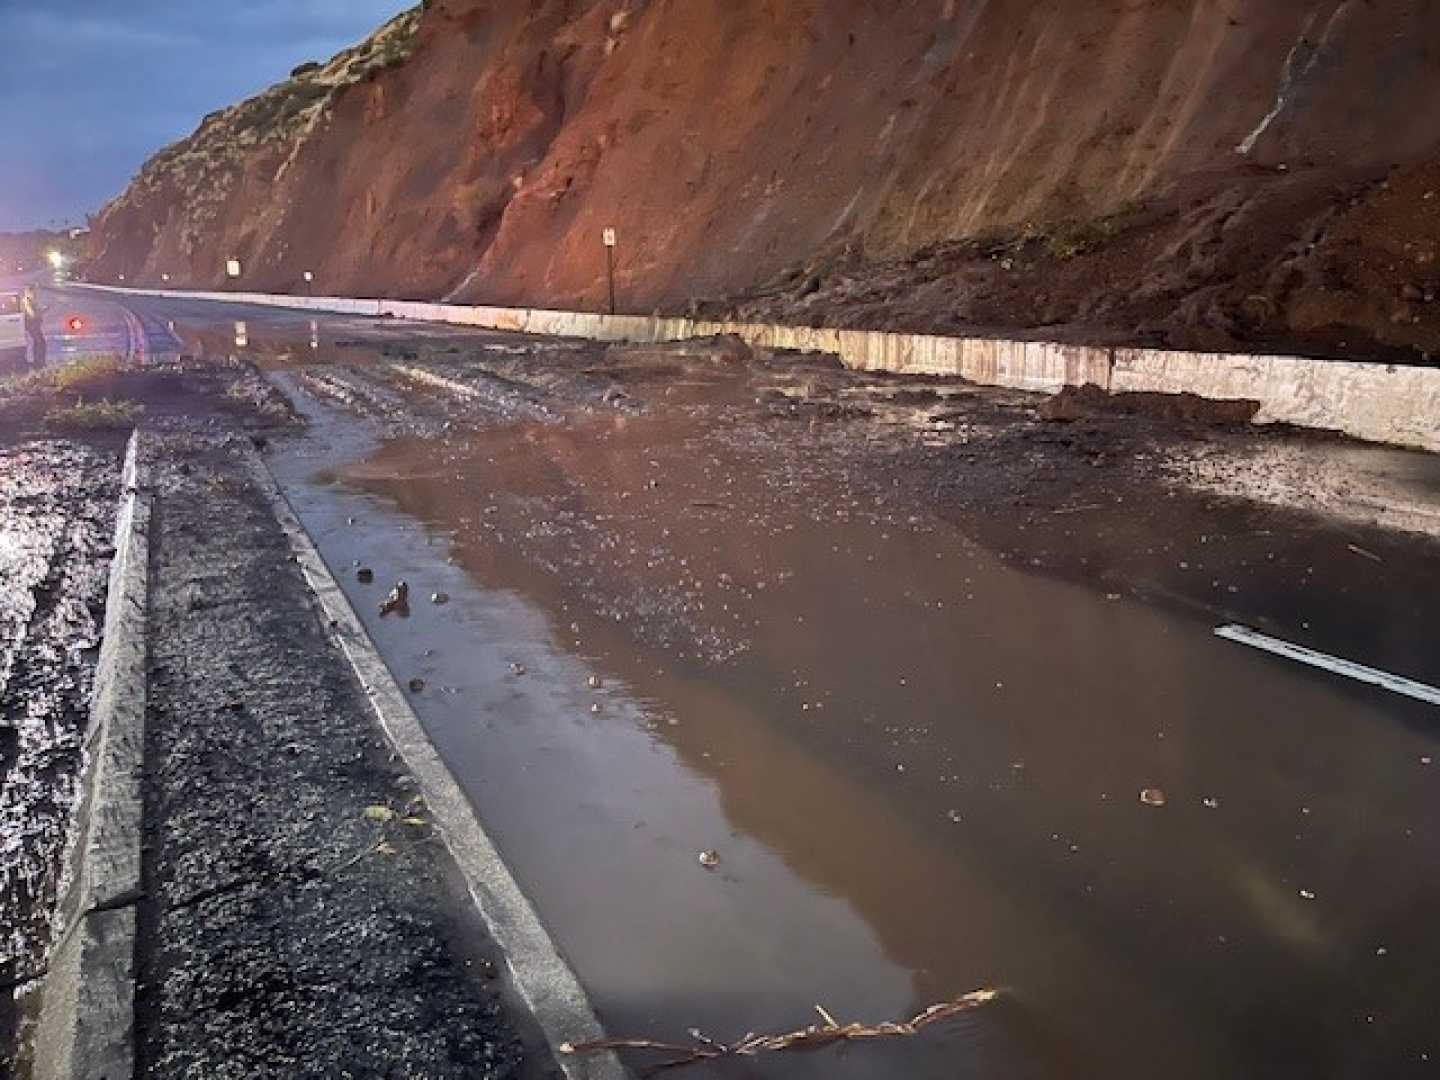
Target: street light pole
610,240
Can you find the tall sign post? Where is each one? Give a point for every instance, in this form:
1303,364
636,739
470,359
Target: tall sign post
610,240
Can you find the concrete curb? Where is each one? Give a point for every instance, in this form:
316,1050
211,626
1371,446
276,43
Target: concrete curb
86,1024
1380,402
541,975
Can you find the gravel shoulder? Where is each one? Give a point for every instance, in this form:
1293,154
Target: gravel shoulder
298,918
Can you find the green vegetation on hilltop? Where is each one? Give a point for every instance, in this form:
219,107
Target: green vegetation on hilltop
207,164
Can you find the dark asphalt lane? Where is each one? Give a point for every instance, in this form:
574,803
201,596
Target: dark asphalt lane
915,733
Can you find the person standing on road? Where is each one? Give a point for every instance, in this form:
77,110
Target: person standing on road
34,325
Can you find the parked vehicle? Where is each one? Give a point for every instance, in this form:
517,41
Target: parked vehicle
14,342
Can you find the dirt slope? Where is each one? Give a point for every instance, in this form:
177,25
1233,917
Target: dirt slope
1197,172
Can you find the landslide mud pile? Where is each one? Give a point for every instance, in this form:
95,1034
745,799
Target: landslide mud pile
1193,173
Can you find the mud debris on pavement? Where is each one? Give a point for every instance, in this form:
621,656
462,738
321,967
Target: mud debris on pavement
865,651
57,517
398,602
281,931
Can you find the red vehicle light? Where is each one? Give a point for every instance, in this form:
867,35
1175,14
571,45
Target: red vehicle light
75,324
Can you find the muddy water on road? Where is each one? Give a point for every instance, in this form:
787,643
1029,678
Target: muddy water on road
920,767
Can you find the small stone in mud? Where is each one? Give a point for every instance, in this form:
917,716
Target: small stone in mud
398,602
595,682
1152,796
517,669
350,521
417,685
595,708
365,575
709,859
439,598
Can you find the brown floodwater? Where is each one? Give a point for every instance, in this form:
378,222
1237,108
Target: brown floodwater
919,765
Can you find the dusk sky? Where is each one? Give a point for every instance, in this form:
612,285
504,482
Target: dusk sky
90,88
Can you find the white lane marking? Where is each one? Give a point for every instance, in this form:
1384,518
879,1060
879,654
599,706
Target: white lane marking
1395,683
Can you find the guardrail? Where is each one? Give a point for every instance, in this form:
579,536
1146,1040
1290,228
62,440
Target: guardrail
1379,402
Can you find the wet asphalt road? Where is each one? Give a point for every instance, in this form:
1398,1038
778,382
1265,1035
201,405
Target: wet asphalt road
919,760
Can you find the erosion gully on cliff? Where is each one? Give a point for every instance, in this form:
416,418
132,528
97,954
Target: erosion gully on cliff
931,685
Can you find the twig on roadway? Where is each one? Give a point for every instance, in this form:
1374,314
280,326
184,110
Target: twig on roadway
810,1038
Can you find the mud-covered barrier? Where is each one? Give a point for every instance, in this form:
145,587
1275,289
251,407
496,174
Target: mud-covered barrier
1384,403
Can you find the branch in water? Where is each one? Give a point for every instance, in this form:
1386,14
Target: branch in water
810,1038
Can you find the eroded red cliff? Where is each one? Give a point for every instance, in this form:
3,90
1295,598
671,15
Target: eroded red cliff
1199,172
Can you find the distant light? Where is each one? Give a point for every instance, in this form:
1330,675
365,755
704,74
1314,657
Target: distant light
57,260
75,324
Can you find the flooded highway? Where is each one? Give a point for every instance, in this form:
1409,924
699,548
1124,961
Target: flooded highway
666,603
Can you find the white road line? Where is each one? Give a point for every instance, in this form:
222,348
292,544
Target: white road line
1394,683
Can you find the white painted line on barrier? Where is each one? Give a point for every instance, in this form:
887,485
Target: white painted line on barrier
1397,684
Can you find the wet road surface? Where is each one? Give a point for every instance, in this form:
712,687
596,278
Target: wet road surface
677,623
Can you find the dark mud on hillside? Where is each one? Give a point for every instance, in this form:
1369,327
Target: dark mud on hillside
1245,259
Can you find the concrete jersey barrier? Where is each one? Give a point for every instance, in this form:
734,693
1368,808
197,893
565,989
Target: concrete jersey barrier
1378,402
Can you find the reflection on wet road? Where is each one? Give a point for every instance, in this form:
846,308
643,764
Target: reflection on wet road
919,764
920,768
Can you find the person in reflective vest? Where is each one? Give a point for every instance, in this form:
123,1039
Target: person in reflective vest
34,324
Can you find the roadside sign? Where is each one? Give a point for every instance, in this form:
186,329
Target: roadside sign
232,268
609,238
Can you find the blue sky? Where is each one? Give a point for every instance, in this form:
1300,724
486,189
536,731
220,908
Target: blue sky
90,88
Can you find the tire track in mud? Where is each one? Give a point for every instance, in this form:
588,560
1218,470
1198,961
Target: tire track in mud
56,510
